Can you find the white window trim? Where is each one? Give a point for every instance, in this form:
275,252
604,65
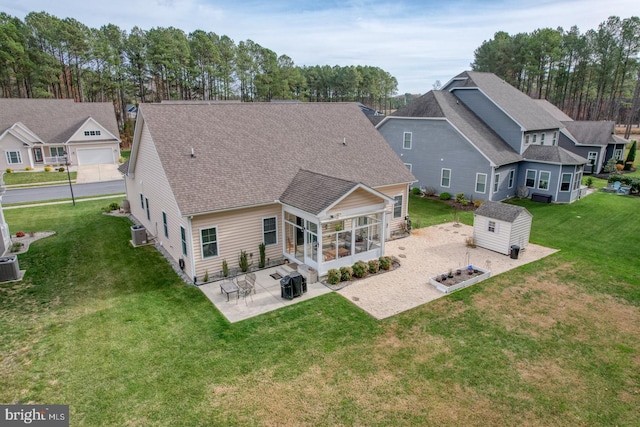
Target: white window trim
165,224
617,154
595,157
548,180
526,139
57,148
442,177
542,135
485,183
535,178
555,138
395,203
217,243
409,166
570,182
404,135
534,139
183,241
19,162
512,178
276,230
495,227
496,182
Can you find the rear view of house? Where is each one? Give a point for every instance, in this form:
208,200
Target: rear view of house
40,132
314,182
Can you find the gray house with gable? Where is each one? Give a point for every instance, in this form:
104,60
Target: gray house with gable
482,137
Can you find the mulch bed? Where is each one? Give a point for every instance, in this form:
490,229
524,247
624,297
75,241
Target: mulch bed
452,202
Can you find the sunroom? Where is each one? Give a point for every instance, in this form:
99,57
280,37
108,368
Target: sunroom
329,223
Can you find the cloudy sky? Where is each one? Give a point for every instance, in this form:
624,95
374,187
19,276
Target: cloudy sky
418,42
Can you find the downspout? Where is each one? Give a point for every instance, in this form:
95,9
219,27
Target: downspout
493,178
193,252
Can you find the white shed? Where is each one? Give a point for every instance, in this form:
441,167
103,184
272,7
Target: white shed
498,226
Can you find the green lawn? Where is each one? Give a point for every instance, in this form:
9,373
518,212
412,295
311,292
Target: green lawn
112,331
36,177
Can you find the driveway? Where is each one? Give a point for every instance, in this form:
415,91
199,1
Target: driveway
98,173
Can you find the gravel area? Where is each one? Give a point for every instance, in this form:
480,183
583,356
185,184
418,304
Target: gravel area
426,253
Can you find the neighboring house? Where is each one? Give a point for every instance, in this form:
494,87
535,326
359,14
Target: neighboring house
314,182
482,137
593,140
39,132
498,226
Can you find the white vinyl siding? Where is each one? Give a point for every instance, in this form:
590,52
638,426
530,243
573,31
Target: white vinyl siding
481,183
543,181
445,177
406,140
269,231
209,242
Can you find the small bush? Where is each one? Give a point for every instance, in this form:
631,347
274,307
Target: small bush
16,246
429,191
47,168
415,191
471,242
121,159
385,262
28,168
263,254
61,169
460,198
445,196
360,269
477,203
225,268
20,234
333,276
374,266
243,261
9,170
206,276
589,182
346,273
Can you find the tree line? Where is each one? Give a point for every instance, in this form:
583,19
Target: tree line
590,76
47,57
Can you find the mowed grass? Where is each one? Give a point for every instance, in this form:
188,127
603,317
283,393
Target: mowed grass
16,178
113,332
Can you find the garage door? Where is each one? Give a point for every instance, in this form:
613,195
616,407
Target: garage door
94,156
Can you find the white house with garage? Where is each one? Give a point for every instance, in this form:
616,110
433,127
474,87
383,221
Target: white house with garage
41,132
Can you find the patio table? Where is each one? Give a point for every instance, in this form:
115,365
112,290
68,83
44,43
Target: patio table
229,288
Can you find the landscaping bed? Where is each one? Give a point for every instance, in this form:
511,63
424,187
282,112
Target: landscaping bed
459,278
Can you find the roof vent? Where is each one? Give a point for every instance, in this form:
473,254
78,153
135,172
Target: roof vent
344,141
193,153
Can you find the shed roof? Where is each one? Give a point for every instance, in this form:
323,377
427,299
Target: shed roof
248,154
501,211
55,120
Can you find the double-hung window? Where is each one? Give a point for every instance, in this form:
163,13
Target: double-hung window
209,242
542,135
146,202
491,227
164,224
406,140
512,174
397,206
57,151
14,157
496,182
481,182
269,231
531,178
183,238
409,166
543,180
445,178
565,184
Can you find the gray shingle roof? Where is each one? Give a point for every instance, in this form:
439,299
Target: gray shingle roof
557,113
314,192
248,153
591,133
444,104
519,106
552,154
55,120
500,211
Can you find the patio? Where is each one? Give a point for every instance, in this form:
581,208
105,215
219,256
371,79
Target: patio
266,298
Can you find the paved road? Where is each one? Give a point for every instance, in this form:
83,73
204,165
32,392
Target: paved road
37,194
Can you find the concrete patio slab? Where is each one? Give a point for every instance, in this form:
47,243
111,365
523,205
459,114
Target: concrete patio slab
98,173
267,297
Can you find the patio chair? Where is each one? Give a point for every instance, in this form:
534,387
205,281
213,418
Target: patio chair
616,186
246,286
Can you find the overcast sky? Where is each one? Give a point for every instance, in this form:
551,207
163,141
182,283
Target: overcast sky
418,42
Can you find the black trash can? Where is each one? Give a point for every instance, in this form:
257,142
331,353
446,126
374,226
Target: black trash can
515,250
286,287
